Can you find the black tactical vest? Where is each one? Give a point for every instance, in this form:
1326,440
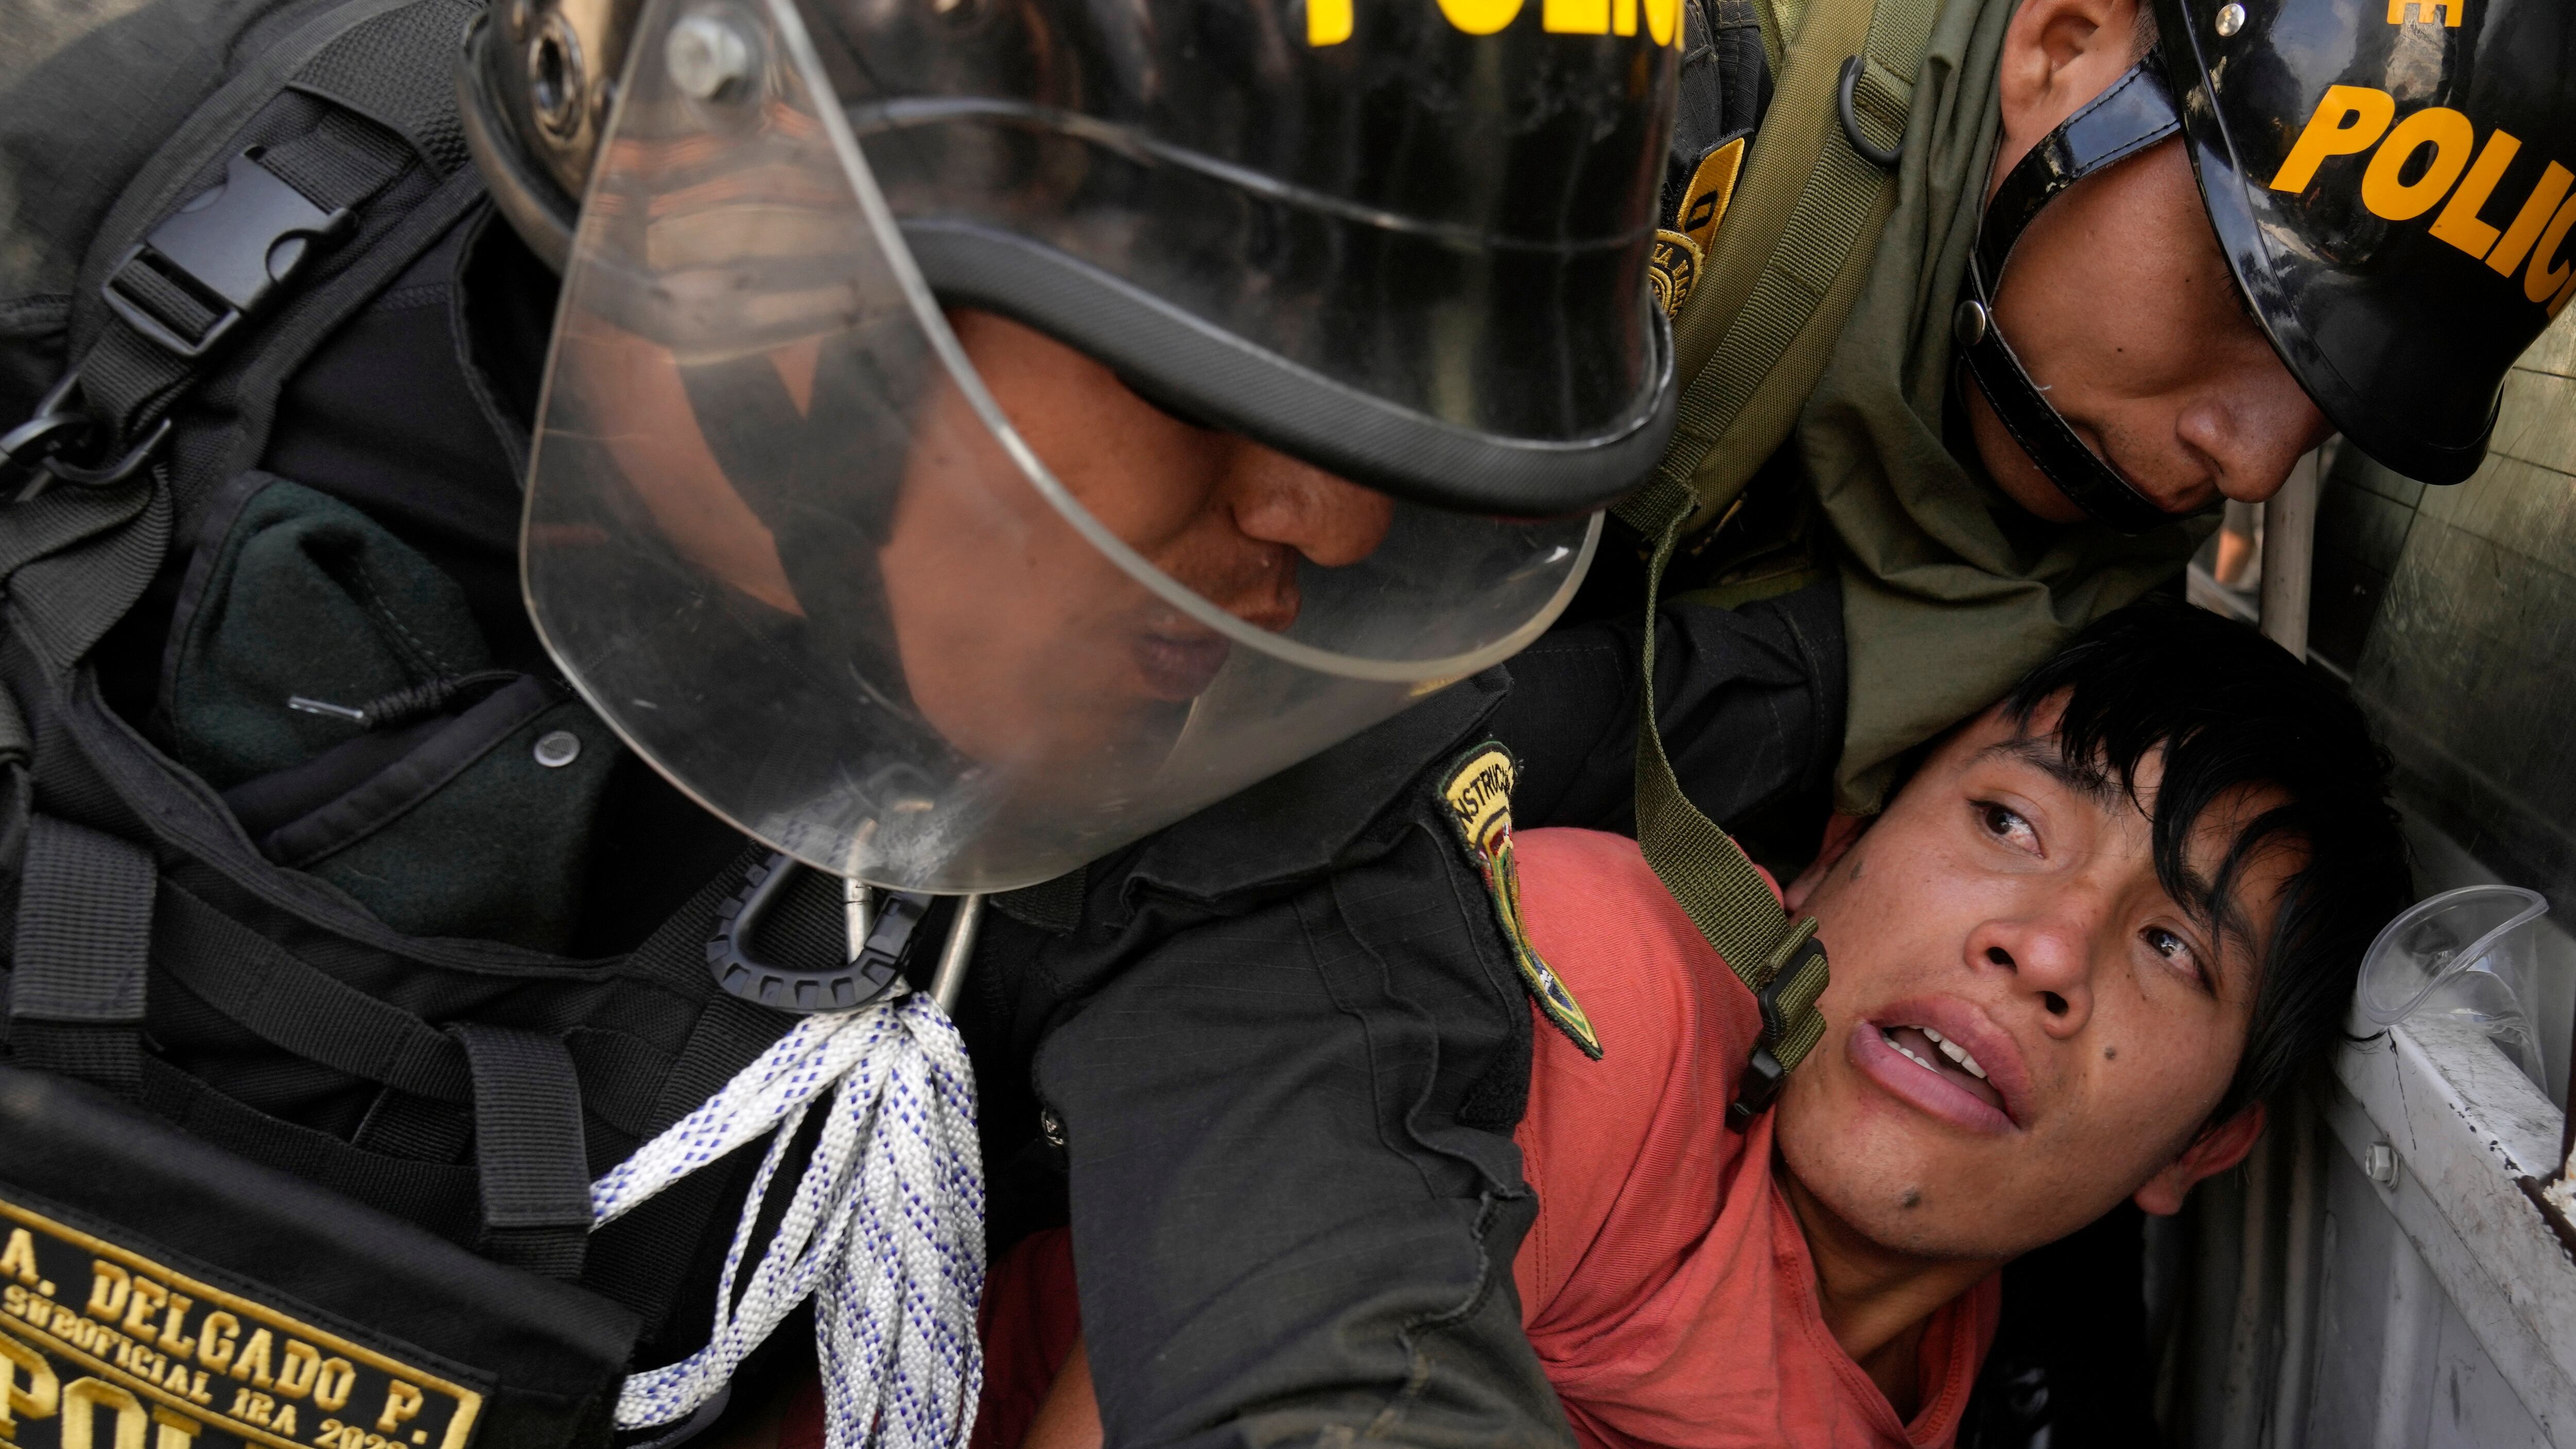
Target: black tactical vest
345,948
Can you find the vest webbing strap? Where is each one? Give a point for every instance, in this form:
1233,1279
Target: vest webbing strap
84,935
1797,242
1707,872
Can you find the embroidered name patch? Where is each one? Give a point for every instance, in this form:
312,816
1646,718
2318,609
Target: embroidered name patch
103,1348
1477,789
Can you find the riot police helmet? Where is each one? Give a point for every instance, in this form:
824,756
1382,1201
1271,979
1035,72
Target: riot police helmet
2389,183
837,582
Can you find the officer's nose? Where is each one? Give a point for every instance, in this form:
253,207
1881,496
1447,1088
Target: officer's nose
2248,423
1277,499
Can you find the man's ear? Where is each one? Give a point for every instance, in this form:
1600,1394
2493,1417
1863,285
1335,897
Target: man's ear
1841,833
2058,54
2211,1153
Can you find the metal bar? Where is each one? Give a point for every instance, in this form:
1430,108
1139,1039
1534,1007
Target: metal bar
2300,1272
857,914
2289,556
953,956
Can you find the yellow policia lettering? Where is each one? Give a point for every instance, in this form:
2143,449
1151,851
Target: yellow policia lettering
2535,213
174,1431
2352,120
83,1398
2547,281
1330,22
32,1391
2383,188
2349,120
2425,10
1479,17
2459,224
1584,17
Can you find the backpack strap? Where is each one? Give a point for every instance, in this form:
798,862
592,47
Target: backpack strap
291,196
1719,888
83,940
1800,232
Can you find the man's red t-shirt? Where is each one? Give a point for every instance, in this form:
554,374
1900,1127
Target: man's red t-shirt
1665,1285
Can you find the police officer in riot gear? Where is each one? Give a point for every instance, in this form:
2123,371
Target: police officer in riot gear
968,439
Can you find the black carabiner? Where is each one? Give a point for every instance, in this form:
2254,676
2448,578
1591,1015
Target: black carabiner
874,972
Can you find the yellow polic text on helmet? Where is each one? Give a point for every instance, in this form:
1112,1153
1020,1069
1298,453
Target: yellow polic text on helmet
2459,174
1330,22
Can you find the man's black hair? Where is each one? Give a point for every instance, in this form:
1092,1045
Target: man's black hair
2233,711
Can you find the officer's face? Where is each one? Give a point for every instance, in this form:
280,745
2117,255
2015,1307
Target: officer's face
2118,301
2015,911
1063,647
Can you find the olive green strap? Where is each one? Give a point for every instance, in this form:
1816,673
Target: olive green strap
1716,883
1798,239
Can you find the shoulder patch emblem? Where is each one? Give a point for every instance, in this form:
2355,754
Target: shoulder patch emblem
1476,789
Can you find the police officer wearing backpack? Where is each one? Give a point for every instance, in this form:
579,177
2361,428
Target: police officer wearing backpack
971,439
1981,255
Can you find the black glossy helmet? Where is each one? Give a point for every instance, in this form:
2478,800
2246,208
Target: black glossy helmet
1406,240
2389,180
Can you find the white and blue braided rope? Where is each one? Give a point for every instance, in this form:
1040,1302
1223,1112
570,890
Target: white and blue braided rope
885,1229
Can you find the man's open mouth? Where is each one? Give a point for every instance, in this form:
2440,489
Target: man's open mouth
1934,1070
1937,1054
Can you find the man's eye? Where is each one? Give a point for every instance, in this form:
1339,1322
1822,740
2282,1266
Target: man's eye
2006,824
2173,948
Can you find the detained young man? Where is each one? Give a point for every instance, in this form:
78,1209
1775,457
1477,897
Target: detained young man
2100,924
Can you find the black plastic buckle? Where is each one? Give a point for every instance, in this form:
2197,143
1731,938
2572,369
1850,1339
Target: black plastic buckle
228,250
876,974
1763,1073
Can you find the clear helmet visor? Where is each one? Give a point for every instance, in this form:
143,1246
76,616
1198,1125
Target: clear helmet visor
935,601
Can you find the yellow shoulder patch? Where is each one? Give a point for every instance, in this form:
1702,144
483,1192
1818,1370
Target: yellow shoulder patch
1672,269
1477,789
1712,186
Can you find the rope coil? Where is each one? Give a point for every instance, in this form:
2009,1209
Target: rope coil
885,1229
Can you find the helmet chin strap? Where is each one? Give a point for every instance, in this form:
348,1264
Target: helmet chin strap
2134,114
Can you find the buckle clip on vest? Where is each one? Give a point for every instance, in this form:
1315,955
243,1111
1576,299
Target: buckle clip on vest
881,940
194,277
1793,978
186,286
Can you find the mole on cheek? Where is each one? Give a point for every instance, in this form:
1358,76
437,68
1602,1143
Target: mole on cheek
2110,1053
1913,1198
